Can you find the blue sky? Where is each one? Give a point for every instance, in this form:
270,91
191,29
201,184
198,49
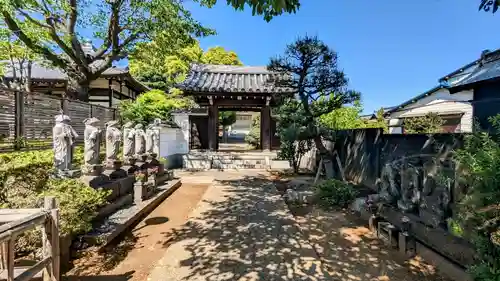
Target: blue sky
391,50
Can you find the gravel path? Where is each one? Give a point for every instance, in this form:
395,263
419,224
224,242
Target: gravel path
241,230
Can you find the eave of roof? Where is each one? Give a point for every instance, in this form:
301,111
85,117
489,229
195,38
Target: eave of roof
231,79
41,73
415,99
487,60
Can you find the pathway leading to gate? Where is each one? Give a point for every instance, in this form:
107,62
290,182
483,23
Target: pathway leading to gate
241,230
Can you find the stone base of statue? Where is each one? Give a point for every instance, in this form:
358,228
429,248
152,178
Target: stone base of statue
67,174
131,166
92,170
114,169
129,160
142,161
93,175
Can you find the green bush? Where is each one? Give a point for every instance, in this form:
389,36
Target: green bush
479,206
25,180
78,203
253,137
334,193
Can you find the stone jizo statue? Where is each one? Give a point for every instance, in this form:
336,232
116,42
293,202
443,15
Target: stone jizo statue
153,137
63,138
128,141
113,140
140,140
92,141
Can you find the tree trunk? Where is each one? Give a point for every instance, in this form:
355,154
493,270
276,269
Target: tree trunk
77,89
327,157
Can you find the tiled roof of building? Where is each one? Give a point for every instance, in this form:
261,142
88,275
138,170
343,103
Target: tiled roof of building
232,79
392,109
485,68
41,72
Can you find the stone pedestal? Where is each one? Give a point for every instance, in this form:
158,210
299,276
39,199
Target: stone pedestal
140,191
142,161
115,171
130,166
67,174
92,170
406,244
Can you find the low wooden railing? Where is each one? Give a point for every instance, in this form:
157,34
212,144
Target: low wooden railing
17,221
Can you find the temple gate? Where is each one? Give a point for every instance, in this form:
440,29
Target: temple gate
230,88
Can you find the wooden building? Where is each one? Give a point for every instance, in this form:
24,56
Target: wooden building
113,85
234,88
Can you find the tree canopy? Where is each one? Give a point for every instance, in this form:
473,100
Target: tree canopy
430,123
311,73
151,105
160,66
489,5
118,24
266,8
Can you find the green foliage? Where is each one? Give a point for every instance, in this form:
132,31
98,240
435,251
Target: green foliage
489,5
17,58
151,105
25,179
253,137
78,203
295,134
161,64
334,193
431,123
227,118
267,8
479,208
348,117
119,25
316,87
219,55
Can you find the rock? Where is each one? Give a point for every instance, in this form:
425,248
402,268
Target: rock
358,205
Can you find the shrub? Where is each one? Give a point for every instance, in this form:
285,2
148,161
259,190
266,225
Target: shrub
334,193
25,180
78,203
253,137
479,207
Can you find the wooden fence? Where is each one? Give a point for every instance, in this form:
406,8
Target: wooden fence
26,119
14,222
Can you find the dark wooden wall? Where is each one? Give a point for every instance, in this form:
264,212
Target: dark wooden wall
199,132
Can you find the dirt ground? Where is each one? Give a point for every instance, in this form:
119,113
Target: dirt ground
135,256
350,251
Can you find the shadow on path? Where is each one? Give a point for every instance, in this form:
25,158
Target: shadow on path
241,231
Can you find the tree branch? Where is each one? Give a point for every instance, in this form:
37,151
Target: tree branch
75,43
47,53
32,20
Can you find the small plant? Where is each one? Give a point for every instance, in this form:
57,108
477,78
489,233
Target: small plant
334,193
140,176
20,143
163,160
153,170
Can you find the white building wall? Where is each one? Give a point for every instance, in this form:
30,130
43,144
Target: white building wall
441,102
182,120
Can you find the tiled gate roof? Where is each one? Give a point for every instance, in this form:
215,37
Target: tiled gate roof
232,79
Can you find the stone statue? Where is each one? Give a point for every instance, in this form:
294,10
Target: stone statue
153,137
92,141
140,140
113,140
128,141
63,138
